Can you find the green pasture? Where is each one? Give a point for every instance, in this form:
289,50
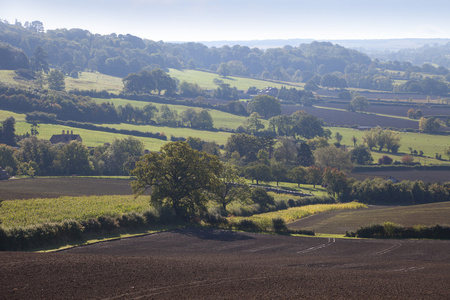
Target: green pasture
205,80
17,213
221,119
430,144
94,81
91,138
4,114
210,136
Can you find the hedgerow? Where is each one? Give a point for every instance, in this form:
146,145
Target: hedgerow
391,230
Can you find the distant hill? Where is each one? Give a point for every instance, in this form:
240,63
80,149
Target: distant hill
366,46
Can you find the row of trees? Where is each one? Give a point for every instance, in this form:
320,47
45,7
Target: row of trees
76,50
39,157
186,179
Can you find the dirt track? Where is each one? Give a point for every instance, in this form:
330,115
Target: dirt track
214,264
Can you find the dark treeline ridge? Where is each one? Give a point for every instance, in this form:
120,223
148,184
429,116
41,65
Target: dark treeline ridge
75,50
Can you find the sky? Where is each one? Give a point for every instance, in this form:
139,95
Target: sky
239,20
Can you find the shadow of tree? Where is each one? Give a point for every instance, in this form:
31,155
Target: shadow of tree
213,234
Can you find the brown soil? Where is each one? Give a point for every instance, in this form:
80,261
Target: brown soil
426,176
62,186
214,264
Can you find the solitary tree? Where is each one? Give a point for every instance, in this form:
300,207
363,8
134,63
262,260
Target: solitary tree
266,106
359,103
334,158
8,132
55,80
179,177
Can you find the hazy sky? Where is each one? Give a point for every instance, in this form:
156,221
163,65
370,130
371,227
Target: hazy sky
212,20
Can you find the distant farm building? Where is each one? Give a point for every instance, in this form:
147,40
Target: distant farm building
65,137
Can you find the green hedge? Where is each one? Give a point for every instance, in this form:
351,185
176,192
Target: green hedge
391,230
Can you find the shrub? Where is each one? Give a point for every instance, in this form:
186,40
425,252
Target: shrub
385,160
279,225
151,217
391,230
247,225
132,220
302,231
71,229
108,223
91,225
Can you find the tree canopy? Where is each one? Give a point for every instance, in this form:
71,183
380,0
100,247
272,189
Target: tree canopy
178,177
266,106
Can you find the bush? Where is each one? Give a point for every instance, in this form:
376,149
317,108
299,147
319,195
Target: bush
279,225
108,223
132,220
391,230
302,231
248,225
71,229
151,217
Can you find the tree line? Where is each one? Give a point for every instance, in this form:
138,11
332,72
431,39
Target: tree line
77,50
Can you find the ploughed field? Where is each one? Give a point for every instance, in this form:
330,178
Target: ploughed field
395,110
55,187
341,118
427,176
200,263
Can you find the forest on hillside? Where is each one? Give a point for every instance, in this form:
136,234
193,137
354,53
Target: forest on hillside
320,63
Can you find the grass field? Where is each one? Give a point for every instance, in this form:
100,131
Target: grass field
95,81
341,221
221,119
35,211
205,80
428,143
90,138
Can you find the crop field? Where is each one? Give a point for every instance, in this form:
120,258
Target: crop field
339,222
201,263
427,176
388,96
205,80
294,213
341,118
395,110
42,210
221,119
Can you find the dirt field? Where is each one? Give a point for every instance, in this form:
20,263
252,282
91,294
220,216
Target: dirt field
62,186
338,222
214,264
426,176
